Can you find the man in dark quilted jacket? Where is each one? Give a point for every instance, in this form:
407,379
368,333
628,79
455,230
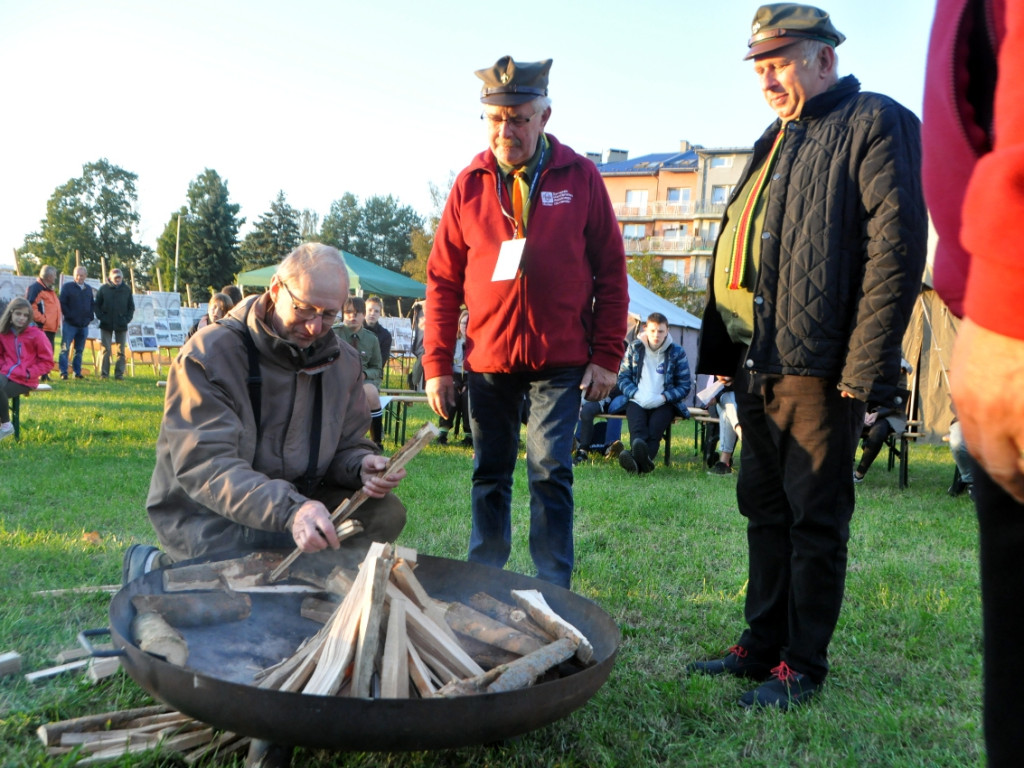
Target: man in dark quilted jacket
815,274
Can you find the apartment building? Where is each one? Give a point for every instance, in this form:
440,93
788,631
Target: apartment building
671,204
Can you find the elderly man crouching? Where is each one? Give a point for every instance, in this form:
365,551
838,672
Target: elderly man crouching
263,430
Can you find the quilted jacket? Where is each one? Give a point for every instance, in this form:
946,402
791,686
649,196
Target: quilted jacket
842,248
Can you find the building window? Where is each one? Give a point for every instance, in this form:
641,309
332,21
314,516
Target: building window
674,233
636,200
679,194
721,161
720,194
674,267
633,231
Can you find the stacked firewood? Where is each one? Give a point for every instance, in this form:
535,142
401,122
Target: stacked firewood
107,737
387,638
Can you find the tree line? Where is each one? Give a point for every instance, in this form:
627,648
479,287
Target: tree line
94,217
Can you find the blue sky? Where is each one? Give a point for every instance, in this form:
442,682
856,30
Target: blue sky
320,98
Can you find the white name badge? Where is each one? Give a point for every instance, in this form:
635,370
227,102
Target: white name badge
509,258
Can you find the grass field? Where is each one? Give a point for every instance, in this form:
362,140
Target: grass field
663,554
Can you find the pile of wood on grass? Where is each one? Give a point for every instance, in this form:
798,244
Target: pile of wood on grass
107,737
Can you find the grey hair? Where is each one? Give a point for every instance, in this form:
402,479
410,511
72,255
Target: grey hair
541,103
809,51
307,257
48,270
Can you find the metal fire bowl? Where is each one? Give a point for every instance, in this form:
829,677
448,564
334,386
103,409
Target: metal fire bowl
216,685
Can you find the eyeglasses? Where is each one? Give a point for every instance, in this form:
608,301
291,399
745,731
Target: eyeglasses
516,121
306,314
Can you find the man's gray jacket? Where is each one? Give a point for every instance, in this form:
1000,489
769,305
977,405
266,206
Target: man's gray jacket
214,469
842,248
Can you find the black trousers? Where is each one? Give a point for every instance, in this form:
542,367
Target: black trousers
1001,534
795,488
649,424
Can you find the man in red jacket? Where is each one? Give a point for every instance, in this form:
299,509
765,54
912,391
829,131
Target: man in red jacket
529,243
973,166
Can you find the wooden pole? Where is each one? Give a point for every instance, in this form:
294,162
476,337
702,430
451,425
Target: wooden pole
159,282
131,271
17,267
103,268
188,294
78,259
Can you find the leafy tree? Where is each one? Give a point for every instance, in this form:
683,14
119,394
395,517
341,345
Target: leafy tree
341,224
646,269
95,214
273,237
421,240
384,230
209,255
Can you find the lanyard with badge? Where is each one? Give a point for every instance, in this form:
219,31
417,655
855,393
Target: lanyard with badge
511,254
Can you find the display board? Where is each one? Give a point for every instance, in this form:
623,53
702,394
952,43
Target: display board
401,333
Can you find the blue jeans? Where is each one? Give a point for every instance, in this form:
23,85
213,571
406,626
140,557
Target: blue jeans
72,334
495,409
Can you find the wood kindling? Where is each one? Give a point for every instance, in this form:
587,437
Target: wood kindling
388,637
402,456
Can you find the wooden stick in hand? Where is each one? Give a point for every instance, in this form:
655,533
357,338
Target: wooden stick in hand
345,510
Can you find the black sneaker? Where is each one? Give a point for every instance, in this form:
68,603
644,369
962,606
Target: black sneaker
64,377
580,457
627,462
642,456
788,688
720,468
442,439
738,662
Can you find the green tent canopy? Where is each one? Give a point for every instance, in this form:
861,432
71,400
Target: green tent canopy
363,276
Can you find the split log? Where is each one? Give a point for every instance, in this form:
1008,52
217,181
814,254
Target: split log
533,602
408,554
43,674
317,609
196,609
518,674
74,654
427,635
100,668
338,649
155,636
467,621
345,510
509,614
10,663
253,570
50,733
394,675
420,674
407,582
109,589
487,656
371,613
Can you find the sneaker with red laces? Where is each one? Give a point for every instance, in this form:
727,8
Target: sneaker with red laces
738,662
787,688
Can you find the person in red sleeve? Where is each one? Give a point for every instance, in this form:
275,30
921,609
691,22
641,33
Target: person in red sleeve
974,185
25,356
529,244
46,312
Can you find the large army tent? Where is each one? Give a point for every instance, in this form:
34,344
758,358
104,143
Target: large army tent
365,278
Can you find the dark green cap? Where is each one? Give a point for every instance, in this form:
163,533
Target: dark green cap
780,24
509,82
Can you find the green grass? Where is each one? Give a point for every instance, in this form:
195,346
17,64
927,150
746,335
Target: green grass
664,555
